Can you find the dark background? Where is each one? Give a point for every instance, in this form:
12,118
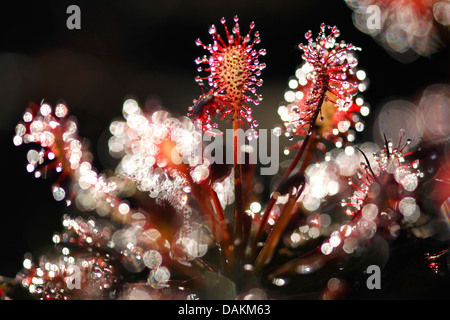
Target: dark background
146,49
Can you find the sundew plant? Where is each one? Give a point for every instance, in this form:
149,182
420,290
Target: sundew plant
184,216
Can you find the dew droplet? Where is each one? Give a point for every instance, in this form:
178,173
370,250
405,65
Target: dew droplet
45,110
152,259
27,116
308,36
61,110
158,277
236,28
58,193
277,131
198,79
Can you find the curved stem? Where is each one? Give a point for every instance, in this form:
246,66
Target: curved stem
315,259
291,168
308,157
238,194
217,205
274,237
198,195
225,238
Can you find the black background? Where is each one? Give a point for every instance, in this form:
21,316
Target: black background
146,49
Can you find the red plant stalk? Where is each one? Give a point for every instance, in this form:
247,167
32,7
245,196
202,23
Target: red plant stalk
234,70
293,165
330,71
365,205
238,194
270,244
